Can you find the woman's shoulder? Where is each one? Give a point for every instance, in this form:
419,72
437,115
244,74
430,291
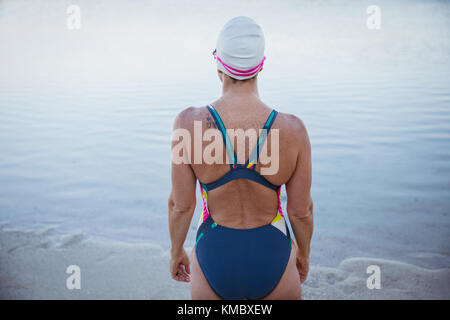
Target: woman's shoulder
186,117
291,124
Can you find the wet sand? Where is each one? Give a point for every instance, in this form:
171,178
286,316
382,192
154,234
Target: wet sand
33,266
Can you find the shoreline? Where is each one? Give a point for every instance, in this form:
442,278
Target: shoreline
33,266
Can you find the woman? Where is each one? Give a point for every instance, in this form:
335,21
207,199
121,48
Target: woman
243,246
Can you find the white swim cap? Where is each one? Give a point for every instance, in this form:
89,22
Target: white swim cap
240,48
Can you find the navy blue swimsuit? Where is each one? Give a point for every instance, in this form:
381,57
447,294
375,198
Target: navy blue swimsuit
242,263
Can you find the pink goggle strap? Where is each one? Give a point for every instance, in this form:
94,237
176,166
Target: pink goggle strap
237,72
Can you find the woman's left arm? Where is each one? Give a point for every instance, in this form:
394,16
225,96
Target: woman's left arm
181,209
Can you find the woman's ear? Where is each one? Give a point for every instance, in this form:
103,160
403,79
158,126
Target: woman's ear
220,75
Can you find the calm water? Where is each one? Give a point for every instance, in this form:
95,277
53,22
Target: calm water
86,115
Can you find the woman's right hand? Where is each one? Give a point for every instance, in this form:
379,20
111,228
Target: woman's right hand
179,266
302,263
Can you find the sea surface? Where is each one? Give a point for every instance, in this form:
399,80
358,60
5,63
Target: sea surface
86,116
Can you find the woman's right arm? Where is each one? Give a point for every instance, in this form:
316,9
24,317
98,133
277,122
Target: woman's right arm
299,201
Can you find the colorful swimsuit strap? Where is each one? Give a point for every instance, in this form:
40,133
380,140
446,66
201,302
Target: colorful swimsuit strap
254,156
226,140
238,171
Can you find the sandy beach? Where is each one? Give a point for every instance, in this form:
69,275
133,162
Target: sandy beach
33,266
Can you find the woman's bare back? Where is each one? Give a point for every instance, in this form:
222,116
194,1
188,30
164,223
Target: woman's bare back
243,203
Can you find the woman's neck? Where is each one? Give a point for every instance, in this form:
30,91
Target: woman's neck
239,88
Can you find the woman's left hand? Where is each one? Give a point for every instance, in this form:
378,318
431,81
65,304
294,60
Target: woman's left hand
179,266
